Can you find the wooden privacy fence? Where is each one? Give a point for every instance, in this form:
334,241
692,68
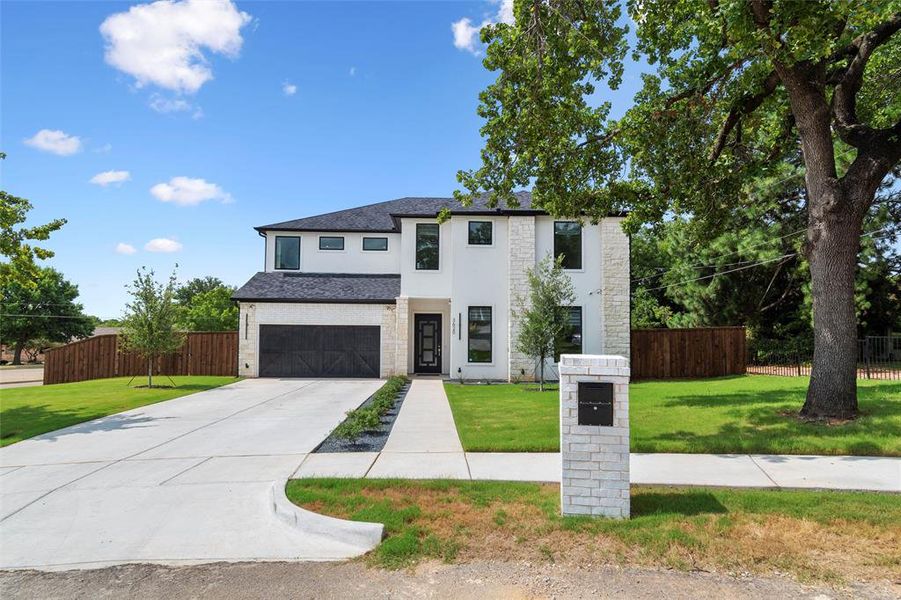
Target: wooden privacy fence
203,353
688,353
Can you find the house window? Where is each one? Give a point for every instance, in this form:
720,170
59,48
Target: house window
376,244
328,242
287,252
480,233
570,342
479,339
426,246
568,242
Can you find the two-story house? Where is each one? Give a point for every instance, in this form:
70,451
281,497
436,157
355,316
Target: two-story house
385,289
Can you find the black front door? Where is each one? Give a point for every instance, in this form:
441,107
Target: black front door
427,343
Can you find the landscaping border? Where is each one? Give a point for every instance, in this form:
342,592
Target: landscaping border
372,439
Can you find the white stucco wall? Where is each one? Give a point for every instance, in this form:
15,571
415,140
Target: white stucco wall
425,284
353,259
479,278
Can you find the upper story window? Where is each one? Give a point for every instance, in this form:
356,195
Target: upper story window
570,342
287,252
331,242
427,246
480,233
378,244
479,335
568,242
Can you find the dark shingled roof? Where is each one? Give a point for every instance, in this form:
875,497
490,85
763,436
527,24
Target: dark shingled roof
381,217
320,287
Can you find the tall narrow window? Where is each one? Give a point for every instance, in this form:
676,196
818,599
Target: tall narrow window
568,242
479,339
287,252
331,242
480,233
426,246
570,341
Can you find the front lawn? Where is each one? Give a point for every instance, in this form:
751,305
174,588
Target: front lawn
745,414
29,411
812,535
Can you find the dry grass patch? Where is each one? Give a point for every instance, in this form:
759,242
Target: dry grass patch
823,536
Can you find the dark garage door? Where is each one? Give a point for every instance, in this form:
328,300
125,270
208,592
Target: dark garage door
319,351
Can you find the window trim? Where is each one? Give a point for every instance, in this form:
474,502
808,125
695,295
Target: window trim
332,237
367,237
581,266
469,231
275,266
581,309
490,361
416,248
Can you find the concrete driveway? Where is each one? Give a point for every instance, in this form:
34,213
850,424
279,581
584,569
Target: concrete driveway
188,480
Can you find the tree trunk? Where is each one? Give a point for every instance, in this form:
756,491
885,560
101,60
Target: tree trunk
17,353
150,371
834,245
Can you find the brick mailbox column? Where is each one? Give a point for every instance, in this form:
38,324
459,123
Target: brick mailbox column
594,435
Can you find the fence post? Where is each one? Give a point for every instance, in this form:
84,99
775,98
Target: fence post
866,354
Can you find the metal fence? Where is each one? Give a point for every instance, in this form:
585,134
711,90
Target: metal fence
878,357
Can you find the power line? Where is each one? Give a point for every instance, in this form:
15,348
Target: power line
757,264
47,316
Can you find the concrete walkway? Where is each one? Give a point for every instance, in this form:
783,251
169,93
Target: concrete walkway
195,479
424,445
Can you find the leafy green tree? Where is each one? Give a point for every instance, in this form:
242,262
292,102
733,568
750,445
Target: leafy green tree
739,86
14,239
186,292
544,316
148,326
213,310
39,306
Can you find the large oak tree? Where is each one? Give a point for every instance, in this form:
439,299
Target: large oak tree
739,86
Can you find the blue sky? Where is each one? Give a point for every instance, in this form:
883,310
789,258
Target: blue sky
383,106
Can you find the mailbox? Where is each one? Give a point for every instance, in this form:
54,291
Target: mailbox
596,403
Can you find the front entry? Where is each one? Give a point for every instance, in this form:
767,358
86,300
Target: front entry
427,343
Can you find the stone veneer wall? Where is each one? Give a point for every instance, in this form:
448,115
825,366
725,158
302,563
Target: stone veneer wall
521,240
595,459
401,328
253,314
615,290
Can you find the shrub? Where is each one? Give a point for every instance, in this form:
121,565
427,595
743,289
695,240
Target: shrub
363,419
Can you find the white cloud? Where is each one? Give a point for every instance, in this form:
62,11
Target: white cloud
353,71
289,89
187,191
163,43
466,34
104,149
162,245
123,248
108,177
161,104
55,141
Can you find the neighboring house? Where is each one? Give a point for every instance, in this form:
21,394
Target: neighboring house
384,289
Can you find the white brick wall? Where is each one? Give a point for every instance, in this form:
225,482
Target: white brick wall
595,458
521,239
615,287
254,314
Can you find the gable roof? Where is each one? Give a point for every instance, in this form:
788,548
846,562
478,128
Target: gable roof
382,216
279,286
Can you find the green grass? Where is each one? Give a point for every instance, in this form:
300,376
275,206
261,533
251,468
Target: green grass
29,411
745,414
674,527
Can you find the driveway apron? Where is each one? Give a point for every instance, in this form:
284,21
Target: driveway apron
187,480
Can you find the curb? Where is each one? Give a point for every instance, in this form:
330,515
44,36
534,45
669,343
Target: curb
360,535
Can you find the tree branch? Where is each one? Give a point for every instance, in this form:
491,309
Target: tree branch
844,100
744,105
